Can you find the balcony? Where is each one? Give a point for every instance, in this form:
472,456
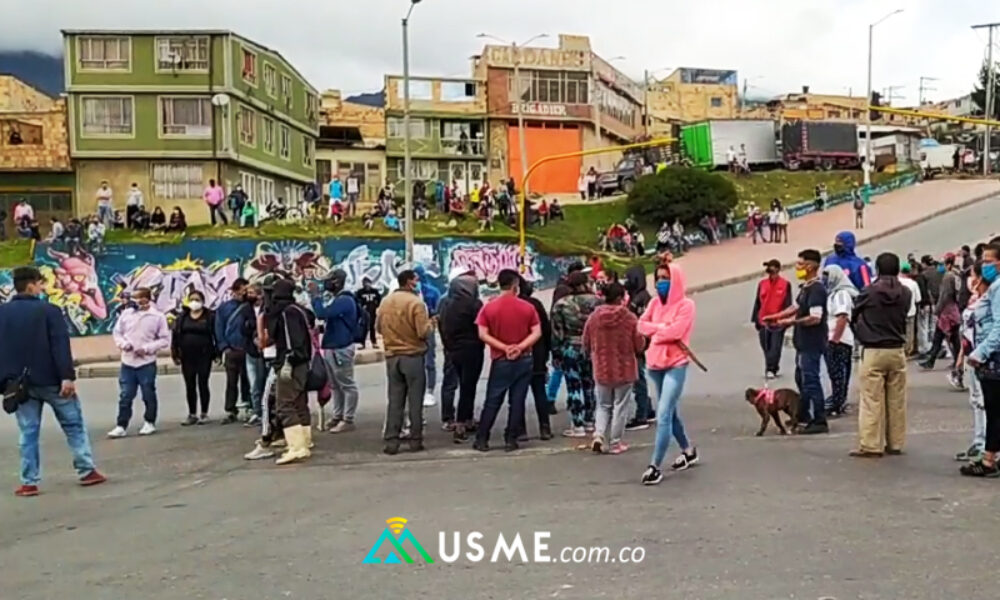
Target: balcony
463,147
437,95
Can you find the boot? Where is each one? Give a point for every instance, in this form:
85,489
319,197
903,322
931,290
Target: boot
309,436
297,447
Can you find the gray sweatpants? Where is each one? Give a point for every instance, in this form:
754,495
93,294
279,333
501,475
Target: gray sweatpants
612,410
406,380
343,386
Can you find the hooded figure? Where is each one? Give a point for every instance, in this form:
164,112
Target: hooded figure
612,340
635,285
836,281
569,315
428,290
853,265
457,313
668,321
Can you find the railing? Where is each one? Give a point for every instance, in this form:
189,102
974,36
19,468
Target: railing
458,147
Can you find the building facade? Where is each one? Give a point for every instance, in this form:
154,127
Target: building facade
351,143
34,152
170,110
688,95
570,100
447,130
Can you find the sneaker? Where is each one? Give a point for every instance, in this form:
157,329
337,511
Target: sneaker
459,436
575,432
252,421
814,428
552,409
523,437
92,478
651,476
979,469
926,365
191,420
770,375
391,448
448,426
342,427
404,433
686,460
417,446
229,418
429,400
147,429
117,432
636,425
955,380
259,452
26,491
618,448
203,419
480,446
545,433
972,454
651,419
589,428
510,446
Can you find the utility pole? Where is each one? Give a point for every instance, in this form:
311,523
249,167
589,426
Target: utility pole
743,96
645,102
516,55
990,85
925,88
868,99
407,191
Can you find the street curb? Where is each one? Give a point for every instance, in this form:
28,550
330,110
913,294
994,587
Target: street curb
100,369
705,287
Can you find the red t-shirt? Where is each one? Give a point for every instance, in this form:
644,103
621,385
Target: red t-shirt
509,319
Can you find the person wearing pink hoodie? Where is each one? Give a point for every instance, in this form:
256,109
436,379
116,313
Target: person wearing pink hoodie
668,322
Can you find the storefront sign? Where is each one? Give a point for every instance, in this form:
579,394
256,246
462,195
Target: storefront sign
538,108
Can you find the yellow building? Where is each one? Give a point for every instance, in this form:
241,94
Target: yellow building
688,95
807,106
351,142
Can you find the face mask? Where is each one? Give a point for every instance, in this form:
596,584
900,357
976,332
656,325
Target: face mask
663,288
838,248
989,272
940,268
800,274
195,305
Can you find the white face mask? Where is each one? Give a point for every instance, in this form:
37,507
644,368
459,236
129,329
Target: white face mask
195,305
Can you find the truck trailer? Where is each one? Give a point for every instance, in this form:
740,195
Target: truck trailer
819,144
706,143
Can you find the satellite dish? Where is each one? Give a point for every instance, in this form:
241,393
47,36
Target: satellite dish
220,100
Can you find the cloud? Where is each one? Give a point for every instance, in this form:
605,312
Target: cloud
352,44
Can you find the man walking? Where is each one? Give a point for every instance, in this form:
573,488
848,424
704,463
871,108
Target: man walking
809,318
463,354
774,294
879,321
404,325
370,298
214,196
339,311
140,333
231,336
510,327
36,359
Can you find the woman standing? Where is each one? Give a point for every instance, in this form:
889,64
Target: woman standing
985,359
668,322
839,306
977,287
193,347
569,315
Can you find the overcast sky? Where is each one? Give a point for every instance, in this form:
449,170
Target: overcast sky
779,44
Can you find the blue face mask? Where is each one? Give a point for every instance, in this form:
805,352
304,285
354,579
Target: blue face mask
940,268
663,288
989,272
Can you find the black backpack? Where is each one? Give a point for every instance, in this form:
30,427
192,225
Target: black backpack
361,327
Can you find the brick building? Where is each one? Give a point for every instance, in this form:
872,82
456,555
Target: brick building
351,142
34,151
689,95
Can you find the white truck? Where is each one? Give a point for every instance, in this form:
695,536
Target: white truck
937,159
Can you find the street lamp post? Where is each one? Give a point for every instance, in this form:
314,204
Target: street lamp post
407,192
868,118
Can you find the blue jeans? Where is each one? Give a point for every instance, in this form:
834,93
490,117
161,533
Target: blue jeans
131,380
643,408
507,377
70,417
555,382
257,373
810,387
669,386
430,363
105,214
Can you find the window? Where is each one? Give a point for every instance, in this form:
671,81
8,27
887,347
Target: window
419,169
324,171
716,102
458,91
249,66
418,128
312,107
105,53
554,87
107,115
286,90
177,181
308,150
186,116
20,133
285,143
248,126
182,54
267,126
420,89
266,191
833,114
270,80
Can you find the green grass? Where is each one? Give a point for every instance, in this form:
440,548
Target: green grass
15,253
795,186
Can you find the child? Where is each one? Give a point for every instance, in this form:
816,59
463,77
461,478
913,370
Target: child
248,216
420,210
368,219
337,212
485,216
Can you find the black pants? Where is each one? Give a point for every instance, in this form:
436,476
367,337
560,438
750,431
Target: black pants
838,366
771,341
196,370
129,215
291,401
449,387
468,366
938,340
539,381
508,379
237,382
371,328
991,401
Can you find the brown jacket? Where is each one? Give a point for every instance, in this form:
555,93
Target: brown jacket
403,322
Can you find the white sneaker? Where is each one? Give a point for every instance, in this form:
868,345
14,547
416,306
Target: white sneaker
147,429
117,432
430,400
259,452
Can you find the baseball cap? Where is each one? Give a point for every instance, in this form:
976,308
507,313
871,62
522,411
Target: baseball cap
905,268
773,263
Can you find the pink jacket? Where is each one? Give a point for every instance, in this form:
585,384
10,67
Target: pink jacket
667,323
140,334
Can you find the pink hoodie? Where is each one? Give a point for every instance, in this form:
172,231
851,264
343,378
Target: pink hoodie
667,323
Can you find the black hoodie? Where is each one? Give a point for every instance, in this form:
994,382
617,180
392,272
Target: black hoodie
635,285
286,322
457,314
879,318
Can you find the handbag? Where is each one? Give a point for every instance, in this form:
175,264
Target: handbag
15,392
316,377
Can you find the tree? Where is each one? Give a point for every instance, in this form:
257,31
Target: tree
681,193
979,93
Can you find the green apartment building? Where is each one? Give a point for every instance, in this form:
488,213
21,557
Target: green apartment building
170,110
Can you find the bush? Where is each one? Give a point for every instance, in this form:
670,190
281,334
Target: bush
681,193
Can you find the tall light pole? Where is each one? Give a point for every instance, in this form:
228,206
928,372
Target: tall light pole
407,192
868,99
515,50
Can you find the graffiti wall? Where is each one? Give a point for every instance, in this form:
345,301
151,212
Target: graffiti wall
92,291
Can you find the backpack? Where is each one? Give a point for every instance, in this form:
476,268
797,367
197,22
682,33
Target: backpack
859,203
233,328
363,322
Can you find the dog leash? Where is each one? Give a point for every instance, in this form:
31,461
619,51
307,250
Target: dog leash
686,350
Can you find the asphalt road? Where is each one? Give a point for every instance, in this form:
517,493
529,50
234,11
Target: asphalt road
761,518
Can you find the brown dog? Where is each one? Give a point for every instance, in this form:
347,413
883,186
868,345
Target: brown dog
769,404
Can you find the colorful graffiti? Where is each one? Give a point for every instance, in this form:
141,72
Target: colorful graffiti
486,260
170,284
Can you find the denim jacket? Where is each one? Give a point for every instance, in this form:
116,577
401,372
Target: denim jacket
987,325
